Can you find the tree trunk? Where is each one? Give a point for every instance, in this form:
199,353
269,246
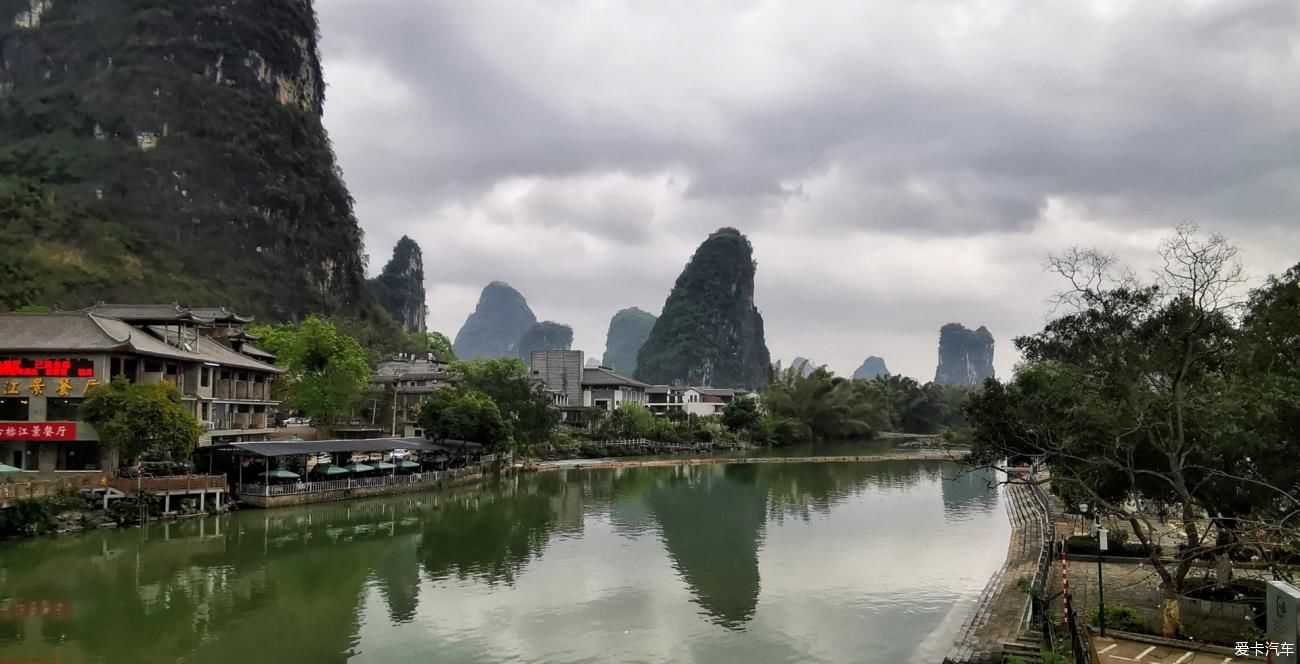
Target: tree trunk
1172,621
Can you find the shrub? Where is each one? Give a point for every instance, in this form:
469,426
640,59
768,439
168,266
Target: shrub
1123,618
29,516
1087,546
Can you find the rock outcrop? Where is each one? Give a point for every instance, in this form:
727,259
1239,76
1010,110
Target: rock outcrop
400,287
965,356
172,152
871,368
710,332
497,324
804,365
547,335
628,330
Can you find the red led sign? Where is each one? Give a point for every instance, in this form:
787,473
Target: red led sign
14,367
38,430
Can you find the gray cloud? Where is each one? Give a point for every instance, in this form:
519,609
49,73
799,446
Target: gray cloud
889,151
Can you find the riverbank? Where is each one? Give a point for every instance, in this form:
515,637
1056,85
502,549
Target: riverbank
1001,609
590,464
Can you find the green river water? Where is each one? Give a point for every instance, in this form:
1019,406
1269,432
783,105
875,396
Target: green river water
831,562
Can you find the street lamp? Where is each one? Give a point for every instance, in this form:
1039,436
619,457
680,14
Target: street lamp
1101,597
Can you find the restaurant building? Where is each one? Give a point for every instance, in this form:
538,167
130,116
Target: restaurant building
50,361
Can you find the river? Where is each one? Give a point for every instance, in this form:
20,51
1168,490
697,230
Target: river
831,562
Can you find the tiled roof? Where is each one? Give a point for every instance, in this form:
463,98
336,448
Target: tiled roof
61,331
161,313
604,377
215,351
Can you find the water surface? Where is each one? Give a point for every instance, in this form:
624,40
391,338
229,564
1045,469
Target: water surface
854,562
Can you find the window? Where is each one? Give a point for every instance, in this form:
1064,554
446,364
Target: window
206,410
78,456
13,409
62,410
205,377
152,367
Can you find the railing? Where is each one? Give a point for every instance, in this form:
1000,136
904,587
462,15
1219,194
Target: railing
642,442
298,488
1036,610
130,485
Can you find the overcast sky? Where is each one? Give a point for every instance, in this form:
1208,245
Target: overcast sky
897,165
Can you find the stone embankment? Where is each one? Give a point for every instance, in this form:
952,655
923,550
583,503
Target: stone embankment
919,455
1000,612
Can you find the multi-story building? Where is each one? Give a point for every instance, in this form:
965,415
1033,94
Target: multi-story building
48,363
700,401
401,384
574,389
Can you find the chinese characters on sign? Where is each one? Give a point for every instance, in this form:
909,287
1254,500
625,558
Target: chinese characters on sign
38,431
1262,648
36,387
15,367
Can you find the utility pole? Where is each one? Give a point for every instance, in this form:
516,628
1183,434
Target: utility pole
1101,597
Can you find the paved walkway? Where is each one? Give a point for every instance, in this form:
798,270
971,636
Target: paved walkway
1119,651
1001,607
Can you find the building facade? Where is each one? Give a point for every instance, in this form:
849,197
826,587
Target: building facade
400,384
606,390
50,362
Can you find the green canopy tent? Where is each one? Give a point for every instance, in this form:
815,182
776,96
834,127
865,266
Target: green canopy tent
280,474
9,469
358,468
382,465
408,465
331,470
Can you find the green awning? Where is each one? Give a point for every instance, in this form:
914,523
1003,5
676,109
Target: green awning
383,465
9,469
331,470
407,464
280,474
358,467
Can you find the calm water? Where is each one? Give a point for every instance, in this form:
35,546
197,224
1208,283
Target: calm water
759,563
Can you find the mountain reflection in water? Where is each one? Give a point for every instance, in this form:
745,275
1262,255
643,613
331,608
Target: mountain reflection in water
780,562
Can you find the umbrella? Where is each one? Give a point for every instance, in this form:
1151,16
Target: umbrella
407,464
280,474
358,467
9,469
382,465
332,470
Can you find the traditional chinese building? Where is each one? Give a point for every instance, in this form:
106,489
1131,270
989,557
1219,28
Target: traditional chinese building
48,363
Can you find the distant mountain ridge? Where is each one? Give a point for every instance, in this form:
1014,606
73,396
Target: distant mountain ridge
871,368
400,287
710,332
628,330
496,325
172,152
965,355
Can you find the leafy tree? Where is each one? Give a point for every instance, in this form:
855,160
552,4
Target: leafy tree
1138,392
632,420
824,406
440,346
328,373
460,413
431,342
528,415
741,414
144,422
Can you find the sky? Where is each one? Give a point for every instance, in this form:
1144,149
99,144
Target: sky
896,165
